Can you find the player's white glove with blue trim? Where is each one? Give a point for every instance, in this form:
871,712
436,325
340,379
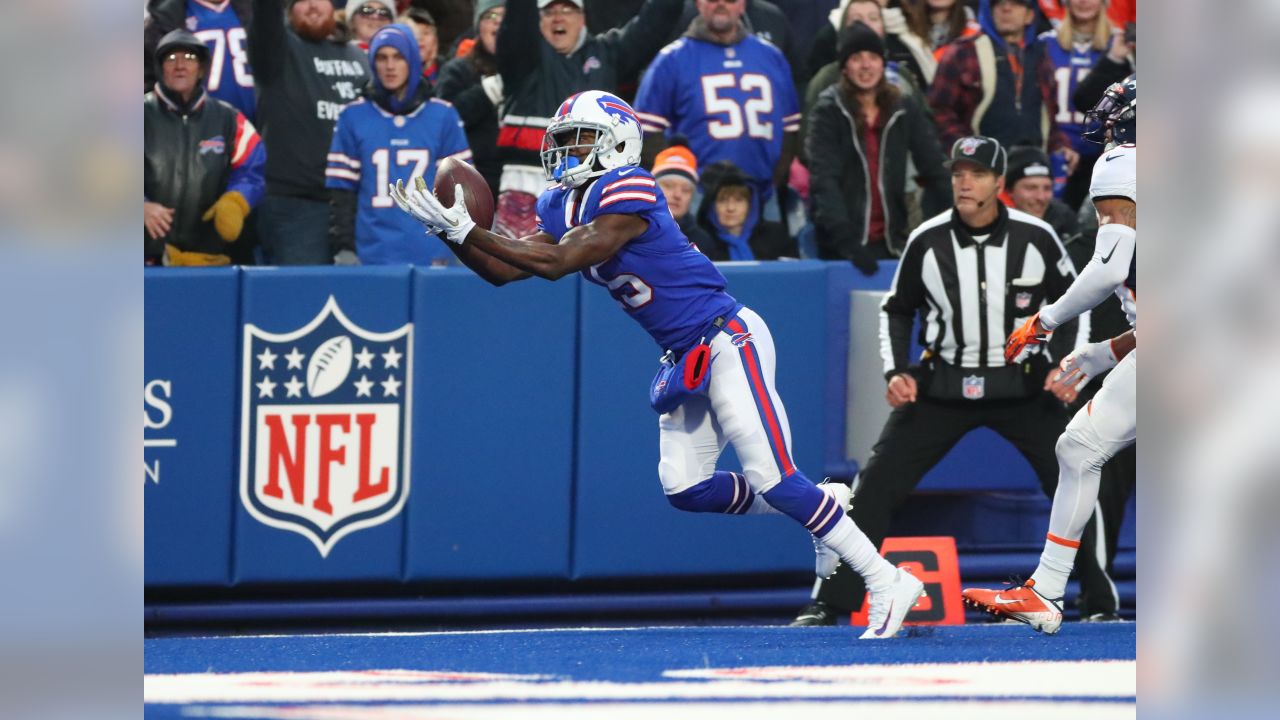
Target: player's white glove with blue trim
1083,365
455,222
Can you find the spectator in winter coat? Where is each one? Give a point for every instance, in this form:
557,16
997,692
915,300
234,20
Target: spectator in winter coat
425,32
545,55
1000,83
305,72
861,133
731,216
467,82
202,161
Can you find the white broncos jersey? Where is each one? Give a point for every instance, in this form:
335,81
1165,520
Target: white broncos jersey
1116,175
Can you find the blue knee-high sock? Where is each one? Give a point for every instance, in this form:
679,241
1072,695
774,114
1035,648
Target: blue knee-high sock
797,496
723,492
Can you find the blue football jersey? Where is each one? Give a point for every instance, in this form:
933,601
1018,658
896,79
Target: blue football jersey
1069,67
373,148
660,278
230,77
732,102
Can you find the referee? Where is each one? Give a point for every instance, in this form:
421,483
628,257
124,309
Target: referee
972,274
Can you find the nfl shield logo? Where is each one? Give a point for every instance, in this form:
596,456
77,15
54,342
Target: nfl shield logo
1022,300
324,424
974,387
970,145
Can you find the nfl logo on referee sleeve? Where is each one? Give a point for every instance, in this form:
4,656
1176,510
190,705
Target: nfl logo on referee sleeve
974,387
325,414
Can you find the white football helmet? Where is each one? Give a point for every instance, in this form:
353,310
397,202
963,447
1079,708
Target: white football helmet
617,138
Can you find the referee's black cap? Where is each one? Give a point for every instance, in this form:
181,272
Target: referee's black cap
981,151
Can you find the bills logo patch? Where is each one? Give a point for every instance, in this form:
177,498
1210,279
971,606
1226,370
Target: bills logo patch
1022,300
974,387
216,145
740,339
325,413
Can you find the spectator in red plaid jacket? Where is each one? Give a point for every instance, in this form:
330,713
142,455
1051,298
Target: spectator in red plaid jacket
1000,83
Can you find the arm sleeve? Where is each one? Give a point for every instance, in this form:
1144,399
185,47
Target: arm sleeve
655,100
519,44
266,41
248,163
1057,139
898,311
788,100
639,40
1106,270
453,141
826,163
929,161
342,220
342,172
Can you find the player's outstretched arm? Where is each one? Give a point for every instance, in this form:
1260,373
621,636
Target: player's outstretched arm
580,248
1116,244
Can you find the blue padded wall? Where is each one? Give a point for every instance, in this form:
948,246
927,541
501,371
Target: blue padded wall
493,430
280,300
189,347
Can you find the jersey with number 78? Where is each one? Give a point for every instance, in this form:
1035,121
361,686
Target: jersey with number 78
733,102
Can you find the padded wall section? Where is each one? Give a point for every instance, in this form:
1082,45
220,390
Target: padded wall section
624,526
189,434
337,512
494,428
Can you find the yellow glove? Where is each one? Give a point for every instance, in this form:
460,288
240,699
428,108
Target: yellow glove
228,215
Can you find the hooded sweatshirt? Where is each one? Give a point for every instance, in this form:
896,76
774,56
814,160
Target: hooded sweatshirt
380,139
758,240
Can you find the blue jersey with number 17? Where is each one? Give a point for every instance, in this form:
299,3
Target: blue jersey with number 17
659,278
733,102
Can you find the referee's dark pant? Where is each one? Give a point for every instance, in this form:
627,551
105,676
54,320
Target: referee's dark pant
917,436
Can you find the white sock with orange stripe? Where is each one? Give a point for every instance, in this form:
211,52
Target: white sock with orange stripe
1056,561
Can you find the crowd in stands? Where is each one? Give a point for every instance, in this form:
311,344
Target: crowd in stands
776,129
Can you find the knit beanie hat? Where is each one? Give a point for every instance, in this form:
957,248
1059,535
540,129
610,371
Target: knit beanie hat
857,38
677,160
484,6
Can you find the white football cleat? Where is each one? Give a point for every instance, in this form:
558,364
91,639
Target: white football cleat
890,606
828,559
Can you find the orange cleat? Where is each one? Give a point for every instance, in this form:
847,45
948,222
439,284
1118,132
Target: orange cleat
1022,603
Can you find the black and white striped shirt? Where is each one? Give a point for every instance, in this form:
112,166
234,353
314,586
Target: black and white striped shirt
971,292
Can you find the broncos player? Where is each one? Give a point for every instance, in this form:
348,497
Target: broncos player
607,218
1108,424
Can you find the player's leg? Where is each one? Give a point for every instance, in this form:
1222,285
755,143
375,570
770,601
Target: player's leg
750,412
690,442
1105,426
1034,428
915,438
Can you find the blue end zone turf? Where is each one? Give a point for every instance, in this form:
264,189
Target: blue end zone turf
718,667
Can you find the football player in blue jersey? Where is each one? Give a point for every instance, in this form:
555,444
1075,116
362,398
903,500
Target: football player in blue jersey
608,219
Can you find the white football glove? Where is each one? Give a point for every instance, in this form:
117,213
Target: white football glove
455,222
1083,365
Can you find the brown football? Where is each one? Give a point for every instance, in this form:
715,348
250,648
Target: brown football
475,191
